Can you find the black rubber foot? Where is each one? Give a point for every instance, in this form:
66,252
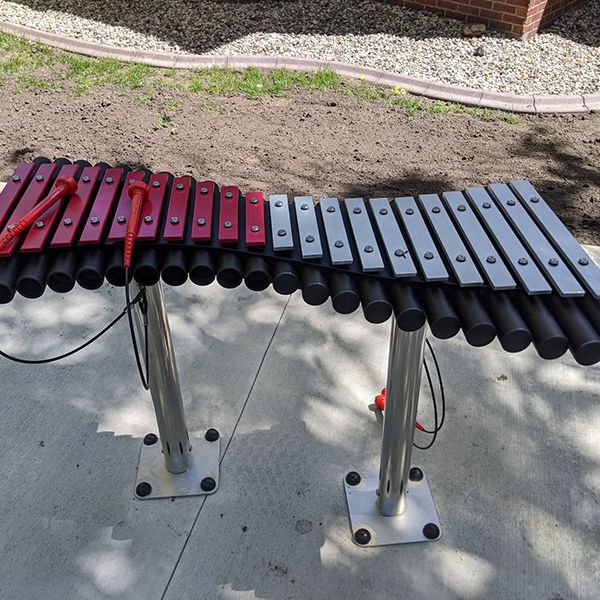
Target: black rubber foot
415,474
211,435
431,531
208,484
362,537
143,489
150,439
353,478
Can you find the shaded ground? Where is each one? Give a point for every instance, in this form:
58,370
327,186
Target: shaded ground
310,143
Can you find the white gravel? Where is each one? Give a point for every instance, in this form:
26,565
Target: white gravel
565,59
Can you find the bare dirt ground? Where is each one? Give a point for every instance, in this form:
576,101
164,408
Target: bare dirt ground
322,144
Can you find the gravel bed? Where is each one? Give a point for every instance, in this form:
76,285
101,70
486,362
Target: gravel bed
564,59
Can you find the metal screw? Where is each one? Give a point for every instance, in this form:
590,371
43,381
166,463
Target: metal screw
204,190
281,233
16,178
253,200
310,239
121,219
211,435
131,181
304,206
415,474
400,253
435,209
227,224
109,180
157,184
150,439
368,249
510,202
584,262
428,255
148,219
174,220
179,186
486,205
143,489
85,179
331,209
201,221
383,211
431,531
409,211
461,258
10,227
338,244
208,484
461,207
491,259
362,537
279,204
553,262
228,194
39,224
254,228
534,199
357,210
68,222
523,261
39,178
94,220
353,478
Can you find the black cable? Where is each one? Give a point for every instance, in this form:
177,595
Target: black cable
441,383
435,413
144,377
42,361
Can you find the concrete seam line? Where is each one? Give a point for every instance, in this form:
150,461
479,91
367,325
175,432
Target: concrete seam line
525,103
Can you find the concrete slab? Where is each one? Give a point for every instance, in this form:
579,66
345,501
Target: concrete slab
515,472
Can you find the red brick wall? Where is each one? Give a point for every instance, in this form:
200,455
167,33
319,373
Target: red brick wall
521,18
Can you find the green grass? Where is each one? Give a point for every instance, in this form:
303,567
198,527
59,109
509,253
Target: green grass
33,66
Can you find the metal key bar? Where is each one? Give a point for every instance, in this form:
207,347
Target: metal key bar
539,247
394,243
152,207
255,219
308,229
454,248
229,214
364,236
281,228
178,208
428,256
337,240
482,248
554,228
203,211
522,264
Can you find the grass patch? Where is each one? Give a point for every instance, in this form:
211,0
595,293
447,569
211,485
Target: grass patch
33,66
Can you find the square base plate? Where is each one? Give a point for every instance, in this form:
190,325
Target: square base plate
152,470
383,531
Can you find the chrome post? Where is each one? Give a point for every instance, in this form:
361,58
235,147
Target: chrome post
405,366
164,382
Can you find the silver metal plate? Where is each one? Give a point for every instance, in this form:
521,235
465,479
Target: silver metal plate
548,258
364,236
404,529
522,264
484,252
395,245
152,470
554,228
428,256
308,230
337,239
281,228
456,252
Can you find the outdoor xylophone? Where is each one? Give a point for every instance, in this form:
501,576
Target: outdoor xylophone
492,262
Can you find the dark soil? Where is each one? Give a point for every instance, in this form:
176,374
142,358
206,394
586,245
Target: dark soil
316,144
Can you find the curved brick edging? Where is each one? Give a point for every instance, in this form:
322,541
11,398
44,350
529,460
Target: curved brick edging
537,104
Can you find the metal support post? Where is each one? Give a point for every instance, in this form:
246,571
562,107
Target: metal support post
395,507
171,464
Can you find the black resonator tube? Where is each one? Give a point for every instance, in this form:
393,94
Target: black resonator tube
9,272
442,317
344,296
115,271
92,267
61,276
513,333
376,305
31,282
146,266
229,271
409,313
476,323
174,271
285,279
314,286
257,276
202,267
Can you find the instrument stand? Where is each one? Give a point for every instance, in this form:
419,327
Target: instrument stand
171,464
396,506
